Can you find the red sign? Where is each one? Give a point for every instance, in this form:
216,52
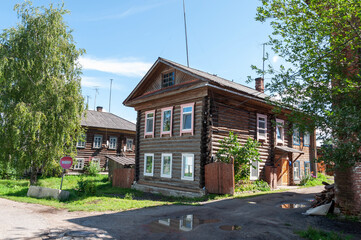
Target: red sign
66,162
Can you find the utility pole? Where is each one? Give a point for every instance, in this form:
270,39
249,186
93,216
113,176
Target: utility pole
95,96
110,93
185,31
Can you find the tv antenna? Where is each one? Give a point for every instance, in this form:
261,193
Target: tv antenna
185,31
96,89
110,93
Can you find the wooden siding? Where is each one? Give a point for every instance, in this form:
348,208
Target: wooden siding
89,152
176,145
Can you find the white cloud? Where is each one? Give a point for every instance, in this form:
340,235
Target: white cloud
275,58
116,66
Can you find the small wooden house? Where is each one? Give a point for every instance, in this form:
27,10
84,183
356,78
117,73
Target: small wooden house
106,135
184,112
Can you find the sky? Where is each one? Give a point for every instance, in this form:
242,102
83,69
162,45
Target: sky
123,39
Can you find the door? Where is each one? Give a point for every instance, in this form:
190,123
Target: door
283,172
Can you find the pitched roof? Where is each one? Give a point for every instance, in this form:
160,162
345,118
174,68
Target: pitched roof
215,79
203,76
106,120
122,160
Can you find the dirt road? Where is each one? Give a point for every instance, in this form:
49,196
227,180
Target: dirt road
252,218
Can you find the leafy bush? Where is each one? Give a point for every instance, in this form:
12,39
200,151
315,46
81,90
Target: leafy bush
129,196
247,185
7,172
86,187
310,180
242,155
92,169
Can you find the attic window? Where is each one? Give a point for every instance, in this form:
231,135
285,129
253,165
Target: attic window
168,79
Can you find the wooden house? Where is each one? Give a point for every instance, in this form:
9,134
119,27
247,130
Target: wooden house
182,113
107,135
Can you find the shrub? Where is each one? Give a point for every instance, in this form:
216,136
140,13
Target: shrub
129,196
243,155
247,185
310,180
86,187
92,169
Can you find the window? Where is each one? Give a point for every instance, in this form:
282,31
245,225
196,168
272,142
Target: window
97,141
296,170
166,170
97,161
187,114
113,143
149,123
187,166
186,223
307,168
79,164
168,79
129,144
81,141
306,139
148,164
296,136
166,121
254,171
165,222
261,127
279,131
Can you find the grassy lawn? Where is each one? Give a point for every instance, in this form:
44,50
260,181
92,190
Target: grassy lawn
316,234
106,197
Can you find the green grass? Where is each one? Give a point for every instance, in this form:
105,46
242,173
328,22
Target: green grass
107,198
310,181
315,234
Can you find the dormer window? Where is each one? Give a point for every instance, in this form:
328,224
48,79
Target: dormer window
168,80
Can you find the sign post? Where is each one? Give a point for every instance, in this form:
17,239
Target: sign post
65,163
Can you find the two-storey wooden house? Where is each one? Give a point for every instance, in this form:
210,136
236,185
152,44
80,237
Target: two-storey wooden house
107,135
184,112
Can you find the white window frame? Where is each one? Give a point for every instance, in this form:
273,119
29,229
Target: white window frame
298,168
83,143
257,169
188,130
281,125
96,160
79,164
162,121
162,166
306,135
110,143
309,167
101,141
186,218
126,144
146,123
296,130
186,177
259,137
145,164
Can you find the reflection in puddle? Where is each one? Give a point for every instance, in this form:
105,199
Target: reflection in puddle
180,224
293,205
230,228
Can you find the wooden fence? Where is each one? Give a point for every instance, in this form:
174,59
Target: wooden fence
219,178
123,177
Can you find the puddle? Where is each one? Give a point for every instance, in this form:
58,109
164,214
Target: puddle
179,224
310,199
293,205
230,227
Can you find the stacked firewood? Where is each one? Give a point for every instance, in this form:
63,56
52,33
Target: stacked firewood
324,197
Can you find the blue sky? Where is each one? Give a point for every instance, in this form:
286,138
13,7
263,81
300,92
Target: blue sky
124,38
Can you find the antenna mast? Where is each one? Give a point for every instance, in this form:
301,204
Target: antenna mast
110,93
185,31
95,95
263,59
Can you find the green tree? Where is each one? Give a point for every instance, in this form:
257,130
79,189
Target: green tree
40,94
320,43
243,156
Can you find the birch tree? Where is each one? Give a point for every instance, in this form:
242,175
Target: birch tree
40,94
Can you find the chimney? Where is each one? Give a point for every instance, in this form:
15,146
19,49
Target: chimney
260,84
99,109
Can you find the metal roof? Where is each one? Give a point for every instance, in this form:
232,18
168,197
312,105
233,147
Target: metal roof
216,79
106,120
122,160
